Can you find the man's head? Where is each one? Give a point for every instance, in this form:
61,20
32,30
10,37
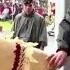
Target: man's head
28,6
27,1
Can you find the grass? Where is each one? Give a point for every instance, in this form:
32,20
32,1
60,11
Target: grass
6,31
6,25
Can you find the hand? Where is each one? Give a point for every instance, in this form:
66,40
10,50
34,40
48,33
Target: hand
57,60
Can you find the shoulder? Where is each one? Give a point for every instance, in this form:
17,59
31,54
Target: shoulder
38,16
65,25
39,19
18,16
67,15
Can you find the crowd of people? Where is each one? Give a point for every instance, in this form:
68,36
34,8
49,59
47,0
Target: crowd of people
30,27
9,10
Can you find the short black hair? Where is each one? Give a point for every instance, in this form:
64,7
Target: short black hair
27,1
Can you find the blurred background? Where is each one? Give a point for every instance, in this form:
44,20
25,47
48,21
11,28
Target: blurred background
53,12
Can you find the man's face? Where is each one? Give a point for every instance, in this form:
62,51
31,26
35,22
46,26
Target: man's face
28,8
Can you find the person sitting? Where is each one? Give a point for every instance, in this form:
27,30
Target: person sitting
5,13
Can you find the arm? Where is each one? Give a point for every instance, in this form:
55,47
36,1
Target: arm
59,58
63,39
63,42
42,35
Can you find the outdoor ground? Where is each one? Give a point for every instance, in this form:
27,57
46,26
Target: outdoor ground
7,25
6,28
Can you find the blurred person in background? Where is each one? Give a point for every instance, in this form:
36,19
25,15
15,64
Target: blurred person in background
1,8
20,8
5,13
15,10
30,26
41,10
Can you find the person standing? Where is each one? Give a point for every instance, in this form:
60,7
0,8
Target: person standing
30,26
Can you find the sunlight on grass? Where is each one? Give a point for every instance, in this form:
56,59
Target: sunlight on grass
7,25
6,31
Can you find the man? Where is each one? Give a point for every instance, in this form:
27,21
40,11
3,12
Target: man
63,41
30,26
